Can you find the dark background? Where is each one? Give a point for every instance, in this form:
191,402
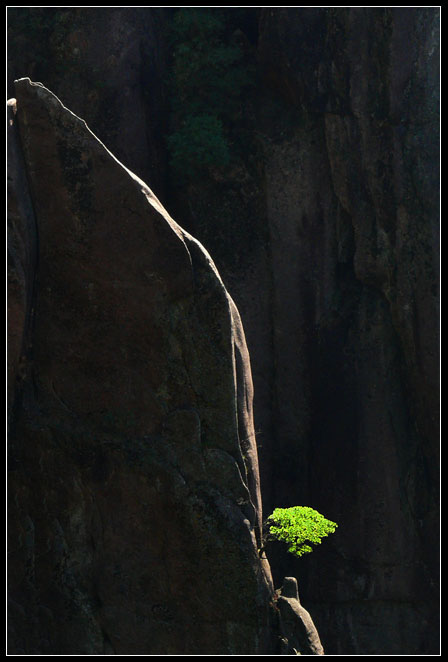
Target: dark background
301,147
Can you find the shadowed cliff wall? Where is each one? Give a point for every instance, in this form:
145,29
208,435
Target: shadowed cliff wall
325,228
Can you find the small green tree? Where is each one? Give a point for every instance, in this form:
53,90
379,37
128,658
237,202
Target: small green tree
299,527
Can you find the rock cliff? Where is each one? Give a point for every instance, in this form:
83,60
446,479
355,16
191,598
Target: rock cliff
334,265
325,228
352,195
134,498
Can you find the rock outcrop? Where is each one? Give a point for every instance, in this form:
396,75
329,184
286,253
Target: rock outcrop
299,632
134,498
326,232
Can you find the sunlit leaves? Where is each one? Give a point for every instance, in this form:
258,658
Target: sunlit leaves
299,527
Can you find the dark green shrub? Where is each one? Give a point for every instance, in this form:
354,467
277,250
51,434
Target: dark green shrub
208,78
200,141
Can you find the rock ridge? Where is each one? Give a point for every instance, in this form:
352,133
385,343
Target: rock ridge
134,500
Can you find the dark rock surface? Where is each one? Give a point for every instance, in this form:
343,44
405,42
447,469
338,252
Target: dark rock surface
352,191
298,629
107,65
134,501
327,236
22,248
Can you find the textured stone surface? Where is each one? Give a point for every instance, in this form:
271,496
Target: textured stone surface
329,245
21,260
352,188
297,626
107,64
134,503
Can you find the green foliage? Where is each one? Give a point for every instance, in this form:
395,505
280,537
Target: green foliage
209,75
299,527
200,141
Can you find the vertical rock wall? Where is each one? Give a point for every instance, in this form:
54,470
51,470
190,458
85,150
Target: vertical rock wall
330,249
352,189
134,500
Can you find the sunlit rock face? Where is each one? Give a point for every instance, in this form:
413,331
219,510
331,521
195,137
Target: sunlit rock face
134,498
